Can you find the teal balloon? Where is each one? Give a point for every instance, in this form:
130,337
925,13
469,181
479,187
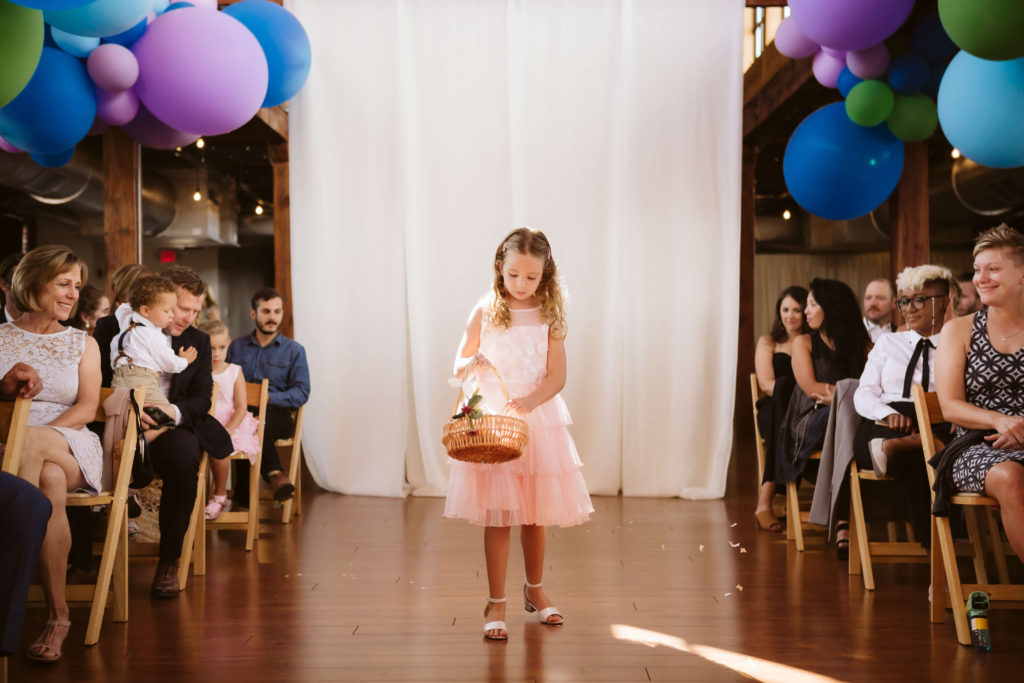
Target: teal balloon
21,43
100,18
914,117
990,29
76,46
54,160
869,103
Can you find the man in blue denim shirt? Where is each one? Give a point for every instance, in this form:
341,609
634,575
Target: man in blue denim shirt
267,354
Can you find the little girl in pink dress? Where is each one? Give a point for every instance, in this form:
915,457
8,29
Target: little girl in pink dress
230,410
520,331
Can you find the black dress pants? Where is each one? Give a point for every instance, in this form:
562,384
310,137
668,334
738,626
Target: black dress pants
24,513
279,426
176,457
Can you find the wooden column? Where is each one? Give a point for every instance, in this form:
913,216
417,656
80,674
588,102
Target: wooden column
122,200
743,429
278,154
909,237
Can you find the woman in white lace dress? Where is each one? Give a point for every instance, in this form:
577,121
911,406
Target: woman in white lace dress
60,454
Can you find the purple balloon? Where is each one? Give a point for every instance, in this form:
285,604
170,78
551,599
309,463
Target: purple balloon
113,67
200,71
8,147
150,131
833,52
869,63
116,108
790,40
850,24
827,69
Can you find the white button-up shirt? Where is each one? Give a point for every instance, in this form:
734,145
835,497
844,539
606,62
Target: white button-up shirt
881,383
876,331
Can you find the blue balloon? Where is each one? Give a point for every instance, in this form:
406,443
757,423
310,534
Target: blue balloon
931,86
100,18
177,5
931,41
981,109
128,38
56,108
284,42
908,73
846,81
53,160
838,170
76,46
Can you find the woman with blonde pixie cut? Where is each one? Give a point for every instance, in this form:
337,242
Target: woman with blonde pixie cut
980,381
60,454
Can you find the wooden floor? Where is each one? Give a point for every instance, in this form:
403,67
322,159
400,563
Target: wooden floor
375,589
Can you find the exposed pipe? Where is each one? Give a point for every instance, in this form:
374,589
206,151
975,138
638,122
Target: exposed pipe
987,191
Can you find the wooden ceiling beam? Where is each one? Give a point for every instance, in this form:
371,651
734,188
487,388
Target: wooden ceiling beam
769,85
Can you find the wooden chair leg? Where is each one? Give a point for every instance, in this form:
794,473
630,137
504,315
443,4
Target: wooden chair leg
793,516
254,506
859,531
998,549
199,542
974,535
892,532
956,597
937,608
3,669
116,528
121,575
191,535
910,532
293,504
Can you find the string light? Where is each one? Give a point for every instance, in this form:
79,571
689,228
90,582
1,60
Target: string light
786,215
259,210
197,195
200,143
955,153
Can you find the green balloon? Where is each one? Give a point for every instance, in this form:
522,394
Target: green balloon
914,117
990,29
869,102
21,44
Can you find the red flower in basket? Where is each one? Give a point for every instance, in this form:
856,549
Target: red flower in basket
470,412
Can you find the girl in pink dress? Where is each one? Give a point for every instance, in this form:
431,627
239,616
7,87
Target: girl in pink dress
231,411
519,329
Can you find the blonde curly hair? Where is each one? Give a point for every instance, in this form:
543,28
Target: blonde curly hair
549,292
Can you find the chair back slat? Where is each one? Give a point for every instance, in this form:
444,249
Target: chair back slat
929,412
13,423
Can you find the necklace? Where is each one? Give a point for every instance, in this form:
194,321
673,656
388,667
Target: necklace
1005,337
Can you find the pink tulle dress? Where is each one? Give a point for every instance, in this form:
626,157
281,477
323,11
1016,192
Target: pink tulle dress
244,439
545,485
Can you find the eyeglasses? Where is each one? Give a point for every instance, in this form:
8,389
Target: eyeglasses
916,303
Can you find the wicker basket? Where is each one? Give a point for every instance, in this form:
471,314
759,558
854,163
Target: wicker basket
491,439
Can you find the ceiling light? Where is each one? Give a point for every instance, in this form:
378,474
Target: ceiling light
259,210
200,143
197,195
955,153
786,215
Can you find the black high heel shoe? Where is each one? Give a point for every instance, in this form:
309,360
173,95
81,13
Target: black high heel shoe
843,544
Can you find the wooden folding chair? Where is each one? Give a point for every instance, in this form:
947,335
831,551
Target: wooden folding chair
191,549
256,395
797,519
114,560
756,395
861,548
294,504
945,574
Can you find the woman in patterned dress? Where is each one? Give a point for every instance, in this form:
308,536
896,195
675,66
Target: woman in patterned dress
979,376
60,454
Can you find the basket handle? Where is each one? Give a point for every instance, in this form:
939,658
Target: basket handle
469,368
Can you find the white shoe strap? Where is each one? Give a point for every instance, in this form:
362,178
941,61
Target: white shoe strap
534,585
548,612
495,625
497,599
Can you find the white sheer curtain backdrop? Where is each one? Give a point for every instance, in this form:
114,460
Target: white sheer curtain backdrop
426,131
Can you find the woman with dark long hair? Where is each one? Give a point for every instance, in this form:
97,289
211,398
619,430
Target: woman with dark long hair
773,363
835,349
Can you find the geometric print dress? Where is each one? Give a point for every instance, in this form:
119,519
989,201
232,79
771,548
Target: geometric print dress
994,381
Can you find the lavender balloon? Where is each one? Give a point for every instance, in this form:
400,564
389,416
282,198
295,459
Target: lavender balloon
116,108
790,40
827,69
850,24
148,130
113,67
200,71
869,63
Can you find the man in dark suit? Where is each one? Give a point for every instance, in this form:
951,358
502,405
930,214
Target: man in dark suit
176,453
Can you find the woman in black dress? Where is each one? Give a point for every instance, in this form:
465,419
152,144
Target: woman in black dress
773,363
979,376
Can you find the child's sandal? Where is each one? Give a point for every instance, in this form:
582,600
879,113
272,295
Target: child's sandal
215,507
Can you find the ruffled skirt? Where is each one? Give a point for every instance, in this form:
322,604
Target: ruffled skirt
543,487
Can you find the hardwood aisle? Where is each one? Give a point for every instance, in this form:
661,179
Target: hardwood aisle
374,589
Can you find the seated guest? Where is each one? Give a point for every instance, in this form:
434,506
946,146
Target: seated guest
24,511
896,363
267,354
969,302
93,304
8,311
773,363
835,349
981,387
878,299
60,453
121,283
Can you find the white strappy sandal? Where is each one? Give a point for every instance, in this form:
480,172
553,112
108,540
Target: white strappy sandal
495,625
545,613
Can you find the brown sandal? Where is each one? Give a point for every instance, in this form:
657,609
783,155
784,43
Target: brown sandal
48,647
767,521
